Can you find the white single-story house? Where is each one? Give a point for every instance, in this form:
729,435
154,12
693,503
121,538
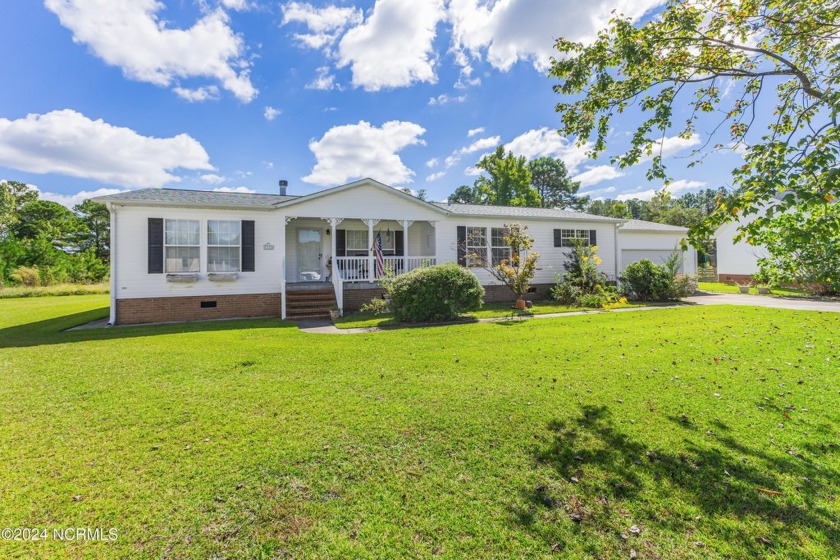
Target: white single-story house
179,255
737,261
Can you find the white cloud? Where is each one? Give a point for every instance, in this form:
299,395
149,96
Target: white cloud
394,46
508,31
670,145
435,176
473,131
197,94
237,5
270,113
684,185
69,143
432,163
213,179
477,146
71,200
354,151
597,174
325,24
129,34
235,190
472,171
443,99
544,142
674,188
324,81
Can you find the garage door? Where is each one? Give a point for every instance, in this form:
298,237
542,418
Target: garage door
657,256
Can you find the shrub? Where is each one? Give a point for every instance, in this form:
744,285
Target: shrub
376,306
436,293
26,275
646,281
564,293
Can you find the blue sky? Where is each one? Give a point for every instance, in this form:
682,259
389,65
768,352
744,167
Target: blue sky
107,95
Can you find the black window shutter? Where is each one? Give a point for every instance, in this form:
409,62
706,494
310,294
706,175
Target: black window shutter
558,238
592,238
340,243
155,245
462,245
248,252
398,244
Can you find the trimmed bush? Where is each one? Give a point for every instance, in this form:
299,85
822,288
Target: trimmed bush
436,293
646,281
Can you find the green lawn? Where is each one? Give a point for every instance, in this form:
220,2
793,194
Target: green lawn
57,290
578,437
489,310
720,287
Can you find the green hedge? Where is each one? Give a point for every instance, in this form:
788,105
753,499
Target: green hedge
436,293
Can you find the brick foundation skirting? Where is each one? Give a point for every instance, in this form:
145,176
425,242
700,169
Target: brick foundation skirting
355,298
189,308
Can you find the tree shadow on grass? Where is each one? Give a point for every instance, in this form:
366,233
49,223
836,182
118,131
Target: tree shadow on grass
714,475
54,330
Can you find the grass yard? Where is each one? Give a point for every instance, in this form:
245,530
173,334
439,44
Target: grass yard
57,290
689,432
721,288
358,319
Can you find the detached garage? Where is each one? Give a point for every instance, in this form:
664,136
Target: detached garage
639,240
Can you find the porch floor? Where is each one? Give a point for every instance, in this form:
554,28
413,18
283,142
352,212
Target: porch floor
302,286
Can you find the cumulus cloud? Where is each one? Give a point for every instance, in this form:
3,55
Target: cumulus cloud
197,94
71,200
394,46
130,35
479,145
435,176
544,142
671,145
324,81
443,99
508,31
325,24
475,131
69,143
235,190
270,113
354,151
597,174
213,179
674,188
432,163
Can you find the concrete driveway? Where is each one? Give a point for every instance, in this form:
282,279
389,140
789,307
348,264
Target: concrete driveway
702,298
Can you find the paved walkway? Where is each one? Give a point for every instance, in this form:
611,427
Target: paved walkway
702,298
802,304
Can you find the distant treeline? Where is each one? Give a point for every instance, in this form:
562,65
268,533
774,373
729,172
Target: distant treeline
44,243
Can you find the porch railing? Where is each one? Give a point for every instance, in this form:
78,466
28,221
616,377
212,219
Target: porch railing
363,269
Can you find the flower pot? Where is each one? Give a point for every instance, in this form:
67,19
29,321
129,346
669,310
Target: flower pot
520,304
334,314
764,290
744,289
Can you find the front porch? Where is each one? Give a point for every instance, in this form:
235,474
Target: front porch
346,251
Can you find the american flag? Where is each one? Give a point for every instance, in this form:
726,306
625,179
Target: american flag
380,260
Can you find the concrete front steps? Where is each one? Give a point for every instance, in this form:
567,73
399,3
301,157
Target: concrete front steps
309,303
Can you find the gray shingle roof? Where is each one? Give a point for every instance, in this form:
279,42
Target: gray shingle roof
641,225
183,197
519,212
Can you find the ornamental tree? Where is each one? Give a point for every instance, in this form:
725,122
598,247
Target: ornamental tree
784,50
517,271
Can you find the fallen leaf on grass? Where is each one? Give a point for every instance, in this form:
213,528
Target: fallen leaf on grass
771,492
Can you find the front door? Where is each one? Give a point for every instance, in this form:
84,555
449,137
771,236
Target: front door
309,255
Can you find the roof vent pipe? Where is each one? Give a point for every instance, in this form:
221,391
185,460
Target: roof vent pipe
283,184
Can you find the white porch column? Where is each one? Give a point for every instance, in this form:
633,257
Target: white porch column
334,274
371,264
405,225
433,223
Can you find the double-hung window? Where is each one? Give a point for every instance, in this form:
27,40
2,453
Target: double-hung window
224,244
476,246
356,242
182,243
501,250
572,237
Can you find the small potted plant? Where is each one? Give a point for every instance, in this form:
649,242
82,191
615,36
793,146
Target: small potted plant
763,283
744,287
335,313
